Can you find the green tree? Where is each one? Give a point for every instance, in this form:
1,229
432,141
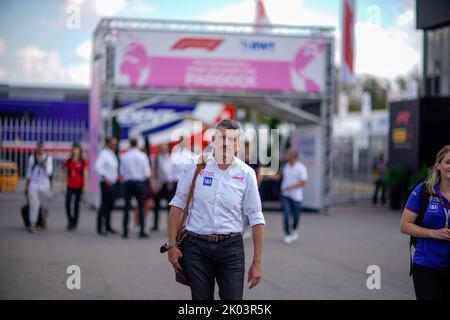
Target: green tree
377,92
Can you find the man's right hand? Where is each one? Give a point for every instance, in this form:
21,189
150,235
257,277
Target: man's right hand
174,256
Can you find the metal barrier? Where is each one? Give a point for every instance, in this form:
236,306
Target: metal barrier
18,138
352,164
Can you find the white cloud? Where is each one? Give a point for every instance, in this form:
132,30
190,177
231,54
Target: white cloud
84,49
242,12
291,13
2,50
37,66
388,52
138,8
80,74
108,7
40,66
2,47
407,18
93,10
90,12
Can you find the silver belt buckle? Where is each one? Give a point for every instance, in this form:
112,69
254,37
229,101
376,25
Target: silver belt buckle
213,238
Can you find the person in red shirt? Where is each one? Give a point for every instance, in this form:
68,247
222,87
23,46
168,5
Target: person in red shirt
74,177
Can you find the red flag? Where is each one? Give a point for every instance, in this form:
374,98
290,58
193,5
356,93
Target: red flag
347,57
261,15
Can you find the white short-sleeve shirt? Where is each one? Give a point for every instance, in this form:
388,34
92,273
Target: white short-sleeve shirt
293,174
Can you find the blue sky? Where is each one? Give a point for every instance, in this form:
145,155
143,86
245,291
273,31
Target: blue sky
36,47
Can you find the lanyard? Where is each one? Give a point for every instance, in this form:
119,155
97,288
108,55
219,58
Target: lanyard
446,209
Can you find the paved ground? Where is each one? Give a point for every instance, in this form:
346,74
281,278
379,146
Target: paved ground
329,261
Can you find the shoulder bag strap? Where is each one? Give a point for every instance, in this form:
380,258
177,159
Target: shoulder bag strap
200,166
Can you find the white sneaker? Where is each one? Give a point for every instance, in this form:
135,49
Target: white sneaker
287,239
295,235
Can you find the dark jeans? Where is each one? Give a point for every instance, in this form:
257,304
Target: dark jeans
73,217
290,207
207,262
137,189
431,284
165,193
108,197
379,184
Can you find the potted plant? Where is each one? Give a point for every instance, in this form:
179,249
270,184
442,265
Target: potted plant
417,178
396,182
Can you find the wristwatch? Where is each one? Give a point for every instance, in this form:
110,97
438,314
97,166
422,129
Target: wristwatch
170,245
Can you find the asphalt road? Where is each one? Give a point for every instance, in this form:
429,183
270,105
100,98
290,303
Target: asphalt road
329,261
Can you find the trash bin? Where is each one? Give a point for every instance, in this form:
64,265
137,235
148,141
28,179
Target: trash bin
8,176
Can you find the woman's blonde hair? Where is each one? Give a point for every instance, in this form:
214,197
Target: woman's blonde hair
434,176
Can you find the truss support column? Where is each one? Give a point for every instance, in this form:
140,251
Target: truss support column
327,106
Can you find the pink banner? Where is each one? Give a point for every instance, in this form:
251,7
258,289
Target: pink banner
212,73
222,63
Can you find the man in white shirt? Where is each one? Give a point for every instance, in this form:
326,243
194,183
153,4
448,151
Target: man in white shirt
107,167
135,170
181,157
213,249
294,178
38,184
164,180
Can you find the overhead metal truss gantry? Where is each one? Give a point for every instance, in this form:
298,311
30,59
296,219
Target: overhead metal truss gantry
284,106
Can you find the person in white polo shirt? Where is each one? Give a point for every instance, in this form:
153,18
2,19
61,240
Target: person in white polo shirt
213,249
107,167
135,171
294,178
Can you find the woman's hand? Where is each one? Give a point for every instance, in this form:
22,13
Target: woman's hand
441,234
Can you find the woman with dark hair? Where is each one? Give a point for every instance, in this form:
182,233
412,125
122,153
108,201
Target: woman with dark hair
74,178
426,218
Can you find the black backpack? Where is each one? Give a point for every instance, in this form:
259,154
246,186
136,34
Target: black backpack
424,199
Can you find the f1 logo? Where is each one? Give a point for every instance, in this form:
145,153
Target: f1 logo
201,43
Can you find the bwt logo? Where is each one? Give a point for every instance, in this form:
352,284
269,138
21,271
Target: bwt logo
258,45
199,43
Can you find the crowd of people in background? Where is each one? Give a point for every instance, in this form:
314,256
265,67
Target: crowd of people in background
149,180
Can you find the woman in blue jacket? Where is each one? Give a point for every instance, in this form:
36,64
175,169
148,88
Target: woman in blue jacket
431,261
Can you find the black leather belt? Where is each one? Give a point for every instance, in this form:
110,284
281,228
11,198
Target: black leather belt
215,237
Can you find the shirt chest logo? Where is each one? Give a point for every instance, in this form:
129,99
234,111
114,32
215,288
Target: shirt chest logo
238,178
207,181
433,207
207,173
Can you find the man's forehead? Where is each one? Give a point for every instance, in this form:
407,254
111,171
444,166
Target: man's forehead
227,132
